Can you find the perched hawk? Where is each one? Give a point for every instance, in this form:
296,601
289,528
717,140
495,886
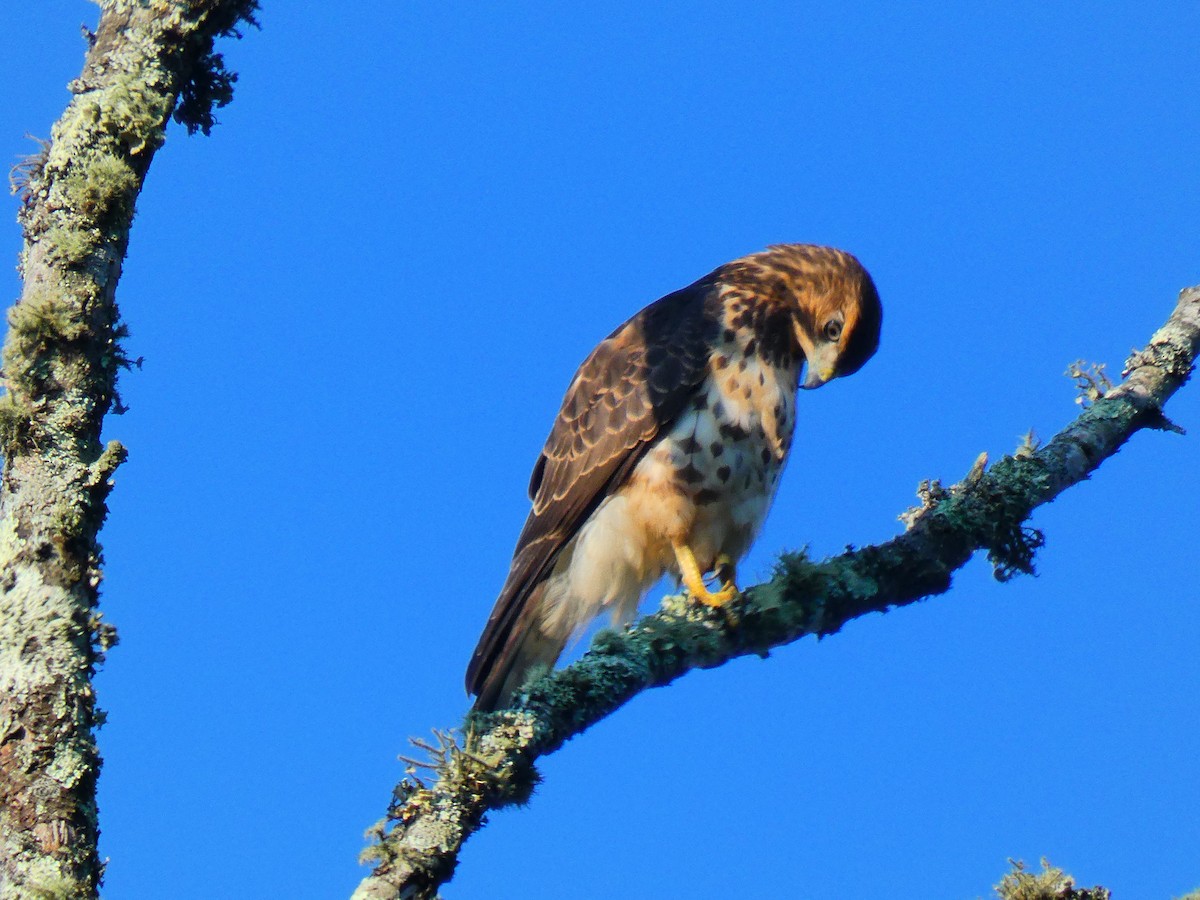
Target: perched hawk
668,448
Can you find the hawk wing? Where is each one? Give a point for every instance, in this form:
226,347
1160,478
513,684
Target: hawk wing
627,392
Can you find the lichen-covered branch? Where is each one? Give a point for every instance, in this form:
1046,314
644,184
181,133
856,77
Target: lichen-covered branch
1051,883
146,61
419,842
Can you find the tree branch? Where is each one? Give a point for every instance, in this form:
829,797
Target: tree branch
60,362
419,841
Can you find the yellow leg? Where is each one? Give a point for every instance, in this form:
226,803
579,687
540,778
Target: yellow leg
694,580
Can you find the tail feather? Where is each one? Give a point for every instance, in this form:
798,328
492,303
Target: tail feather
496,676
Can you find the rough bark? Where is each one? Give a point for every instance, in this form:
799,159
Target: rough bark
426,825
146,61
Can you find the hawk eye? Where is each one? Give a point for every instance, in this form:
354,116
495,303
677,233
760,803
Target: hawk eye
833,330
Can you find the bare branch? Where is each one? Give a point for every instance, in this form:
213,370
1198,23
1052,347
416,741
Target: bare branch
427,825
60,363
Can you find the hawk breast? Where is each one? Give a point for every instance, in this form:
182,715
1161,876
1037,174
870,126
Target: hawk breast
709,481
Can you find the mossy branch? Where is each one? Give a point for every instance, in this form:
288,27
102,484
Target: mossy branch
148,59
418,844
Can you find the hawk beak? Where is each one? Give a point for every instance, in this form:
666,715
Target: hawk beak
814,379
820,366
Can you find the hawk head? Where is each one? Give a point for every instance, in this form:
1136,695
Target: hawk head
830,299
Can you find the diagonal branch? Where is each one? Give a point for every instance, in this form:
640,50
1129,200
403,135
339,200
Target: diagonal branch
60,364
419,842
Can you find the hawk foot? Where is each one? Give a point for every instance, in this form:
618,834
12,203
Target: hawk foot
725,571
693,579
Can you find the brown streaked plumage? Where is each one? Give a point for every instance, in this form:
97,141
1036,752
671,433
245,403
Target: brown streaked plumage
669,446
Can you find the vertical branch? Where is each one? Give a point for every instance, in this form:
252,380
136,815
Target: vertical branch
60,364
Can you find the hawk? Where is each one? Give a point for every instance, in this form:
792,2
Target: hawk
668,449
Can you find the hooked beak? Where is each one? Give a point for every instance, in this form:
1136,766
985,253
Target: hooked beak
820,364
814,378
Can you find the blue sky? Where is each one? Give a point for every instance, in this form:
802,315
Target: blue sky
359,302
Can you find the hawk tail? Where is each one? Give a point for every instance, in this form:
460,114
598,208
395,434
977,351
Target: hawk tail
497,675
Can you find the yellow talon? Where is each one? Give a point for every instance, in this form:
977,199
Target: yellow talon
690,573
725,570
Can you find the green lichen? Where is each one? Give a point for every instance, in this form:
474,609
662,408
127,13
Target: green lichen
102,187
71,246
1013,549
16,420
55,887
210,89
1000,506
1169,356
798,573
1052,883
43,317
70,764
209,85
104,635
67,521
106,464
41,326
128,113
795,598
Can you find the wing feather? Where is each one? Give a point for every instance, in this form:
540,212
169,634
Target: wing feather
631,388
